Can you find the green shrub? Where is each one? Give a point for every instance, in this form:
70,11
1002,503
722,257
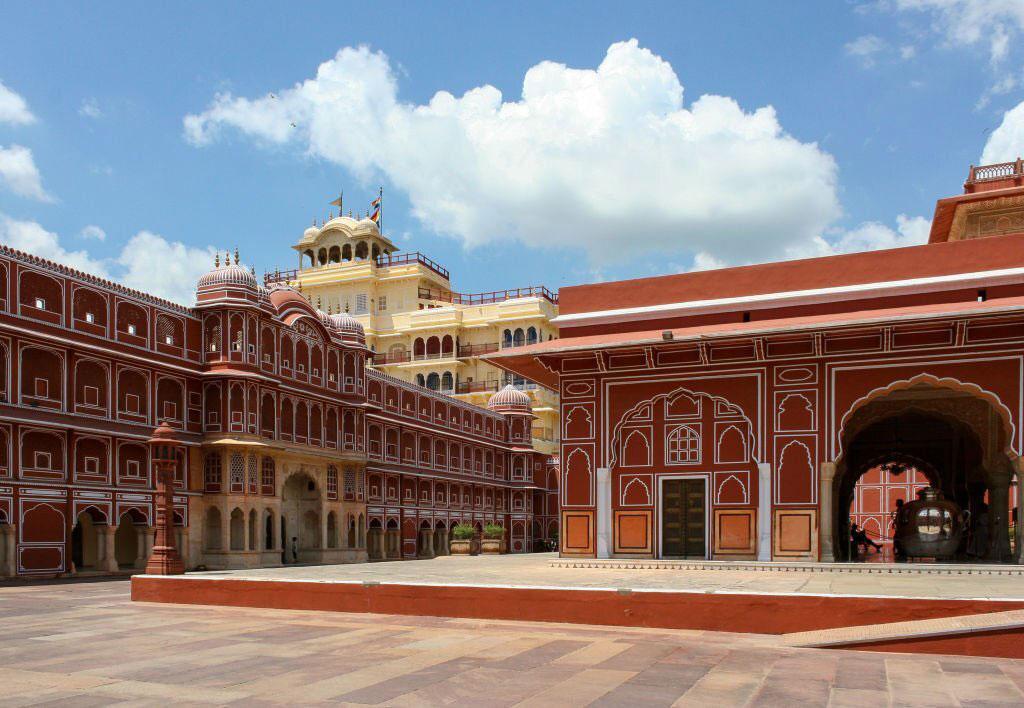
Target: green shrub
463,532
494,531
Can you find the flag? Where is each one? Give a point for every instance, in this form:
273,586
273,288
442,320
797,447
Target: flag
337,202
375,206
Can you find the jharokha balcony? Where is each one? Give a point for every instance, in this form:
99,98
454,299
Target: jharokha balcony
465,351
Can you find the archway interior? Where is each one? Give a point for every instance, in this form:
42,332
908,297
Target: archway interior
300,516
951,440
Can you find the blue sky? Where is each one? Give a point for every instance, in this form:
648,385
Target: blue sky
876,110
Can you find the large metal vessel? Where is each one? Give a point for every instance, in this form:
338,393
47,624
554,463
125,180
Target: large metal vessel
930,526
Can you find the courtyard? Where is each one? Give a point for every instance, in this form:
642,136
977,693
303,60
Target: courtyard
85,643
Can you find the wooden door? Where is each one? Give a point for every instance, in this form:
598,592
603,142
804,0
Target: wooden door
683,518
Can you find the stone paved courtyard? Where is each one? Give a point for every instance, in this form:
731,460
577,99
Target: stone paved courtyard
85,643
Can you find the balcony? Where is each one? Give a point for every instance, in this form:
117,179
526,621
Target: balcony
488,298
982,178
471,350
292,274
404,357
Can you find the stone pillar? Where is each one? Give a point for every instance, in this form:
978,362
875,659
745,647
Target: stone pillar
106,559
825,512
245,530
999,510
604,512
9,568
764,511
430,543
1019,540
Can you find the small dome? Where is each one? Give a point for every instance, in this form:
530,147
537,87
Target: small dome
509,398
310,234
345,322
228,275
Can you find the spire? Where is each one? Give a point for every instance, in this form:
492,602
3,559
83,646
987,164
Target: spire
236,255
216,259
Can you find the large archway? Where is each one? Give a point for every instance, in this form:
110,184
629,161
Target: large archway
955,440
300,519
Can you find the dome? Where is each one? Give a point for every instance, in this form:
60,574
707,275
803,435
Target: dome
345,322
509,397
310,234
228,275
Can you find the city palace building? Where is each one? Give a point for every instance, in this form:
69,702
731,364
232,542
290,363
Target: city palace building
730,414
418,328
296,448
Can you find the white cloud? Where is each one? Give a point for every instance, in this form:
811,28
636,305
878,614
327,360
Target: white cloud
13,108
90,108
19,173
972,22
866,48
869,236
168,269
32,238
1006,143
93,232
607,160
147,262
908,51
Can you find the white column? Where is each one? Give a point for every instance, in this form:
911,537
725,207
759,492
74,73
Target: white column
825,515
764,511
604,512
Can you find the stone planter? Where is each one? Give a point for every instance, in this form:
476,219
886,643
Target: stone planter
492,546
461,547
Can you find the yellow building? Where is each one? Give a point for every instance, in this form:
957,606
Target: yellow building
419,328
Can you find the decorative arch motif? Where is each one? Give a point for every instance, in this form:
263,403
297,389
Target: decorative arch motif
642,411
936,382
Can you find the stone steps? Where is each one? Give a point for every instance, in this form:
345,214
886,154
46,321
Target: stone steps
793,566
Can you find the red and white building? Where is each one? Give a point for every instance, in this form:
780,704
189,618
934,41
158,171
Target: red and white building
294,449
728,414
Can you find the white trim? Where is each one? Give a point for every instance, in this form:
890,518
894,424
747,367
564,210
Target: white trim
801,297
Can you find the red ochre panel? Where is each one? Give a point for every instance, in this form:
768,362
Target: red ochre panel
632,532
579,537
734,531
763,614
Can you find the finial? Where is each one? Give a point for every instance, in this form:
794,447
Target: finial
346,308
350,213
216,260
236,255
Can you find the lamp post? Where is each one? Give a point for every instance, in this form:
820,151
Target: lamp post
164,447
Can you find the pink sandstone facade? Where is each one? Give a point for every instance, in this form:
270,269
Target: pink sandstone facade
729,414
294,450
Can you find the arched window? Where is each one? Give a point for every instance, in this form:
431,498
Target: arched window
506,339
421,380
531,335
346,252
518,338
237,470
447,383
683,446
433,381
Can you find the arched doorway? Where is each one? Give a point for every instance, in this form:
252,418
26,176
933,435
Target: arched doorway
375,540
392,540
956,440
126,539
441,539
300,519
425,541
85,542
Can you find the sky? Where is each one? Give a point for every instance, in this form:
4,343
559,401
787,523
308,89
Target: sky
516,143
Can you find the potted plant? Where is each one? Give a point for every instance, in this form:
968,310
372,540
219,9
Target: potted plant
462,539
494,539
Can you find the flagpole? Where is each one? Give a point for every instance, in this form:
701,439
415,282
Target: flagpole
380,196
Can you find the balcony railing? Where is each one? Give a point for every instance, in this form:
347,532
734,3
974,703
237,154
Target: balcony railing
468,350
476,386
488,298
981,176
414,257
290,274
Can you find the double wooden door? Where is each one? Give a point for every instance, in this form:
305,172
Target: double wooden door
683,518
